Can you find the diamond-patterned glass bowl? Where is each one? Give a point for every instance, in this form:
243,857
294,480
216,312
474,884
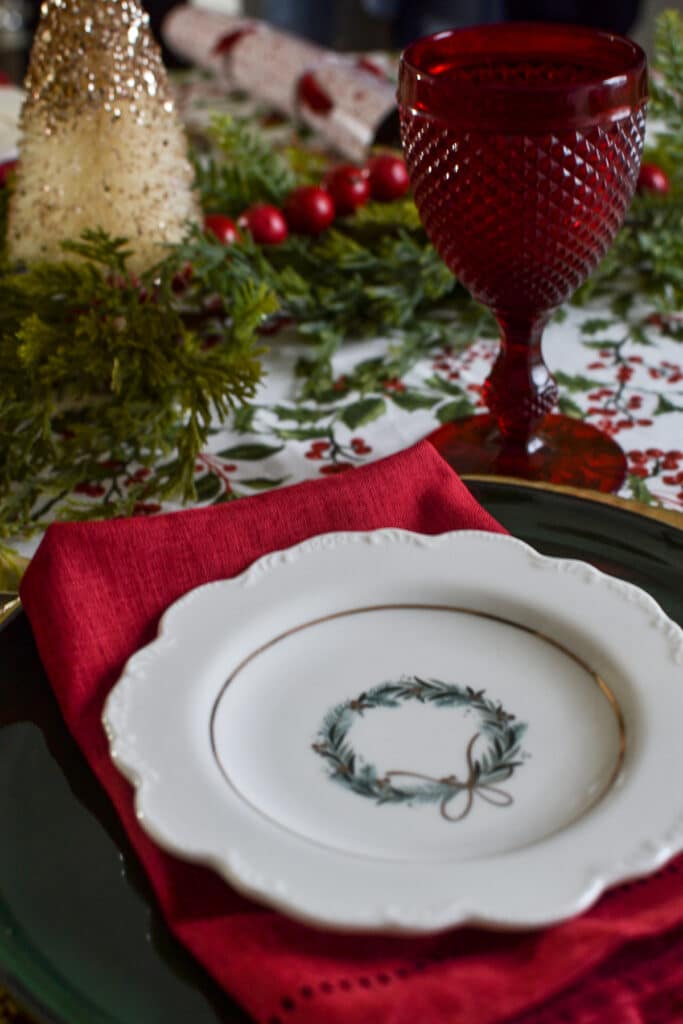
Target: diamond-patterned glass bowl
523,143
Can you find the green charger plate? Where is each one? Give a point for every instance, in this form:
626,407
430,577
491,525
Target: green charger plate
80,939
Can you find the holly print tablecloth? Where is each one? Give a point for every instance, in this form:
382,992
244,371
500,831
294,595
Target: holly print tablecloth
623,376
627,383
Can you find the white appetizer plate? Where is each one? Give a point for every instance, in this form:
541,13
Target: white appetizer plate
392,732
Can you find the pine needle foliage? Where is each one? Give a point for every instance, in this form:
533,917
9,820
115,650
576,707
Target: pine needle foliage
241,168
103,377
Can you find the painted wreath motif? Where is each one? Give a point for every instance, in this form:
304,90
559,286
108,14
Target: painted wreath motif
484,771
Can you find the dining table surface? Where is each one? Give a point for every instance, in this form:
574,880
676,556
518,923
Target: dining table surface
618,367
620,372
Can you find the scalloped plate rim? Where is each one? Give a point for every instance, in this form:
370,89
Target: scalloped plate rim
391,919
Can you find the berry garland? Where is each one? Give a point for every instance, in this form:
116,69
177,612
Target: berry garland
495,765
310,209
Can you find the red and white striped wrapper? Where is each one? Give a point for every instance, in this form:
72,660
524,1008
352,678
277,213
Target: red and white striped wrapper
348,101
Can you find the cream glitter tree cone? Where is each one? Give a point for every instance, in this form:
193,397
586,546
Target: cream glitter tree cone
101,145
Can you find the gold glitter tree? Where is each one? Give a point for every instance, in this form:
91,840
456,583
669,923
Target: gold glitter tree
100,145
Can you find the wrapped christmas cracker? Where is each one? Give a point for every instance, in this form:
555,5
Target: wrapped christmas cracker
348,101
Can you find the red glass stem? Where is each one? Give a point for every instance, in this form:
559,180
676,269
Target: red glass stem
520,390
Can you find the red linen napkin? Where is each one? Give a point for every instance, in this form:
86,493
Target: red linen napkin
94,593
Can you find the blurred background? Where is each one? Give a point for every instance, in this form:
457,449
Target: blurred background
380,23
363,24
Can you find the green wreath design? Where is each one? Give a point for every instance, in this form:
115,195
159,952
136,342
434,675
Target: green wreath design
485,770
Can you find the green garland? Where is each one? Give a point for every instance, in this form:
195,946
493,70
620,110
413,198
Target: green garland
646,260
485,771
109,384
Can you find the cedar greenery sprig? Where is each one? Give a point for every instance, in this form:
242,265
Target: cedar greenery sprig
103,380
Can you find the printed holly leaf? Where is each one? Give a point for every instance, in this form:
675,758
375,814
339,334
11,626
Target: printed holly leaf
365,411
412,400
446,386
664,405
250,452
301,414
454,410
208,487
638,335
568,407
595,324
299,433
262,483
576,382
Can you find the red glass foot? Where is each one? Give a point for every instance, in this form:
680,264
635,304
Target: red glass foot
562,451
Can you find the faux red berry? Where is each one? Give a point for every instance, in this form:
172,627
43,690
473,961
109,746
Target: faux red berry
222,228
349,187
309,210
388,177
653,179
181,279
266,224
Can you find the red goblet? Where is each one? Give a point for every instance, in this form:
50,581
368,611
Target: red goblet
523,144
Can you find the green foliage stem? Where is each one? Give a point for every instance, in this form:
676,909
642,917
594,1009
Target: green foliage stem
100,370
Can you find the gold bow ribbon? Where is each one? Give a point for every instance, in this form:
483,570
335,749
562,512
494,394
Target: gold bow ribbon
471,785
